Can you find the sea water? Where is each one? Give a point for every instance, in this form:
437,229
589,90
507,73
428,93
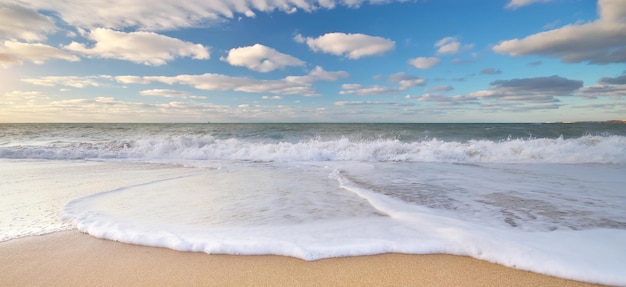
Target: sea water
548,198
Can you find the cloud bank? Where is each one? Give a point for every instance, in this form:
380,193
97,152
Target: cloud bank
291,85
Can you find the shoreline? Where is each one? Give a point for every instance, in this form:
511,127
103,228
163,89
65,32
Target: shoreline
71,258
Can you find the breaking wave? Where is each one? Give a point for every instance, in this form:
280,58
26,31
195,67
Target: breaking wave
585,149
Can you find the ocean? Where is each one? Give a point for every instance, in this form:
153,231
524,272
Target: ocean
547,198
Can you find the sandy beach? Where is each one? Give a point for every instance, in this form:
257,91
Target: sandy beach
75,259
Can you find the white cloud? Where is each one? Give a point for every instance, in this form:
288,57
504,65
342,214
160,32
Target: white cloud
367,91
450,45
149,15
291,85
514,4
166,93
140,47
21,23
16,53
599,42
443,100
271,98
352,46
403,80
24,95
447,45
37,107
424,63
351,86
12,103
370,103
132,80
405,84
67,81
317,74
141,14
107,109
260,58
406,81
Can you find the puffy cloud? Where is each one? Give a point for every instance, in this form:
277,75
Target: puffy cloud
599,42
424,63
169,94
529,90
140,47
15,53
67,81
514,4
290,85
21,23
260,58
450,45
352,46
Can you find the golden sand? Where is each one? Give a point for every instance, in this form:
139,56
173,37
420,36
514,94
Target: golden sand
75,259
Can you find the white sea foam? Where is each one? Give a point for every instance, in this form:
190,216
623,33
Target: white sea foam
519,195
33,193
314,211
585,149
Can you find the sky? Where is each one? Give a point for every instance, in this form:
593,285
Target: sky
312,60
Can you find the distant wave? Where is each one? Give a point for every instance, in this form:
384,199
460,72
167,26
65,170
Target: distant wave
585,149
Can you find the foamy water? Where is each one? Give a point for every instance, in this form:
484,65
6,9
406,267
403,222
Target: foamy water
553,204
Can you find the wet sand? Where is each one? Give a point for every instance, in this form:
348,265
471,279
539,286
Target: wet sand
75,259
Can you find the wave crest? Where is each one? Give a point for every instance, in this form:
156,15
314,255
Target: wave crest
585,149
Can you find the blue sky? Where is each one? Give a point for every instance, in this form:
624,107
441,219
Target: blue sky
312,61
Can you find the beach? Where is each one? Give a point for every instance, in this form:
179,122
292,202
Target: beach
71,258
293,204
